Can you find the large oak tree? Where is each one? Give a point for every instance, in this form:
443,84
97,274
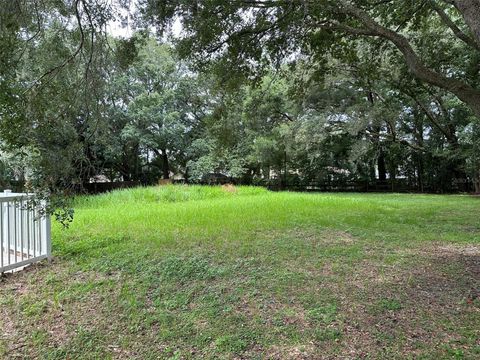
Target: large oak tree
246,34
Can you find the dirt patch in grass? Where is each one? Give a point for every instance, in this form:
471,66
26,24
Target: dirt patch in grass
414,308
299,295
291,352
449,250
49,307
451,275
8,329
392,303
273,312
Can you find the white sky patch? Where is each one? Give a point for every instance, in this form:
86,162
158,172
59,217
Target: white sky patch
119,28
116,29
123,25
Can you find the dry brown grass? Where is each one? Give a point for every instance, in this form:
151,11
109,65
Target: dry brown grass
229,188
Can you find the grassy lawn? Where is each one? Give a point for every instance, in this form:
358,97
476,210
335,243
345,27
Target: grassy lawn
202,272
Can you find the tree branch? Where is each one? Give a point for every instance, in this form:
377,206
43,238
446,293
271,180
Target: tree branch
455,29
463,91
451,138
51,72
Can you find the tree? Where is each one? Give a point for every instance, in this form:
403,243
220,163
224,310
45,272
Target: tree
51,75
250,33
330,90
155,103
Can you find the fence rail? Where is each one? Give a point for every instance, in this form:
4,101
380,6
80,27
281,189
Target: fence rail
399,185
25,232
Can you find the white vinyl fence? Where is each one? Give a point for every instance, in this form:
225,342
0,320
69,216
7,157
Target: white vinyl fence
25,233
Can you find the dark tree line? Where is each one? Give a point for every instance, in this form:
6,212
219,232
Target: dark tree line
271,92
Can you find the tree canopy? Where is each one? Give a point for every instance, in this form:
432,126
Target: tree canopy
260,91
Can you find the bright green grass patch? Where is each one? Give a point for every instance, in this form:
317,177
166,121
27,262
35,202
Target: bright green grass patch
182,216
164,194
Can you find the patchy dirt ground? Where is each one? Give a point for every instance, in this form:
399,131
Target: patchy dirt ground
415,302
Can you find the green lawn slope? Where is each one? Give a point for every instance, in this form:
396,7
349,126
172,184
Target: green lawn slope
186,272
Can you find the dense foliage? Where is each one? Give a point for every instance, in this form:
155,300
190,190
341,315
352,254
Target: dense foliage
384,94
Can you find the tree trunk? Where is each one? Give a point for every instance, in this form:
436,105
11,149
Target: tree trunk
420,173
186,175
470,10
165,165
382,169
392,170
371,170
137,163
419,157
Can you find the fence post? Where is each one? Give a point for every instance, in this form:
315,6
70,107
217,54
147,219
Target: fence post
48,234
